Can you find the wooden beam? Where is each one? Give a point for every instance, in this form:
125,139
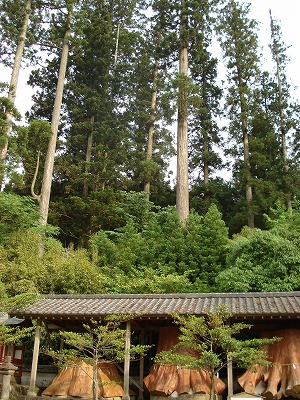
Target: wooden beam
131,380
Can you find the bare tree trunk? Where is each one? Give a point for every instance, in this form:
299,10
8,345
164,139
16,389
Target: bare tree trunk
281,110
95,378
14,83
212,386
88,156
44,197
249,197
117,46
151,126
250,215
182,189
205,165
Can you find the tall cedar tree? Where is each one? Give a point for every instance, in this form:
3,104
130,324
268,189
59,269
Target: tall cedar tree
238,40
17,34
182,188
151,105
278,50
44,196
205,99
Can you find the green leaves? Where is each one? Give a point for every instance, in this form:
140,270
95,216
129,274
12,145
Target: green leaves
16,213
260,261
14,335
157,241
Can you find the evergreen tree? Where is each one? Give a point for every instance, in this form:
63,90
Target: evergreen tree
209,342
205,98
17,33
238,40
206,246
182,186
278,50
44,196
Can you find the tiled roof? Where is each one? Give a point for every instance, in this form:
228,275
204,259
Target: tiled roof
272,305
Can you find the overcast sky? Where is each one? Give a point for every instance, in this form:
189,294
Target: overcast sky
287,13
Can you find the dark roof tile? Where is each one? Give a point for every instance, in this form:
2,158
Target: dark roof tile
154,305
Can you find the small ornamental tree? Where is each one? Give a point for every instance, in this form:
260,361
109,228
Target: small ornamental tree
216,342
11,335
101,341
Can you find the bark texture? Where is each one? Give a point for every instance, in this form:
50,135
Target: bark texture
151,127
44,197
282,378
76,381
163,380
182,188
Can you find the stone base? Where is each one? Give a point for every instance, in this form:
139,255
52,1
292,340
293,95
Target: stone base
186,396
26,397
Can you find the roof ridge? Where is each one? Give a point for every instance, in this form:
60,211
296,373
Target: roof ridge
169,295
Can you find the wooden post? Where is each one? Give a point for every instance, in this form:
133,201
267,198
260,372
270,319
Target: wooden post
126,395
35,357
141,392
229,371
229,376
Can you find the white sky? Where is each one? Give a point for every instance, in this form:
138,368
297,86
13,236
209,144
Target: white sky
287,12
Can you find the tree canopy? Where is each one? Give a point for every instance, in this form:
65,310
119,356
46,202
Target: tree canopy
94,150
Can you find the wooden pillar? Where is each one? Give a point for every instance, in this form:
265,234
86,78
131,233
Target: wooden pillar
141,392
127,362
229,370
229,376
35,357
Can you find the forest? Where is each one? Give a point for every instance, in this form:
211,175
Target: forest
90,201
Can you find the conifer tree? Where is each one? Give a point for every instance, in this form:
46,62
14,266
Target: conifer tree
182,187
238,40
44,196
19,39
205,98
278,50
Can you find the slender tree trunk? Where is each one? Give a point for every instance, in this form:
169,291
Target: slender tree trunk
250,215
205,165
243,108
212,386
151,126
100,179
281,110
95,378
14,83
44,197
117,46
182,189
88,156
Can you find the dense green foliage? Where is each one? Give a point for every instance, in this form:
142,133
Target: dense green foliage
152,252
122,80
